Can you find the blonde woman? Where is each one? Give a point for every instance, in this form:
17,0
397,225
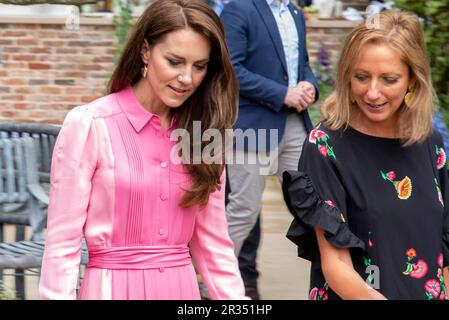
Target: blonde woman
370,198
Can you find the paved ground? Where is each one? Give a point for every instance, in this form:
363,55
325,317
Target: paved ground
283,274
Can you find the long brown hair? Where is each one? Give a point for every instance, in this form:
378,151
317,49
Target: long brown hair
215,101
403,32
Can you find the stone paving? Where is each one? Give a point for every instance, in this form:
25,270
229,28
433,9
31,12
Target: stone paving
284,276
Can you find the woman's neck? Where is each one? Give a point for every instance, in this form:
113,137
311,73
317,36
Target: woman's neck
384,129
146,97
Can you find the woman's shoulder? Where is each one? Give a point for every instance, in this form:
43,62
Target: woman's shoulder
323,132
101,107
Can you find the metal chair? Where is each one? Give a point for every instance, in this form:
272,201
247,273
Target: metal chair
25,161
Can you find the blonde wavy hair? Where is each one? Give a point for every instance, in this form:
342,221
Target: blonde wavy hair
402,32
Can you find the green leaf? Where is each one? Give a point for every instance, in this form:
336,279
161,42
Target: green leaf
408,270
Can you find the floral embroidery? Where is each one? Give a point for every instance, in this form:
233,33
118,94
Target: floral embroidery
367,261
441,157
436,289
403,187
416,269
440,196
433,289
330,203
319,294
320,138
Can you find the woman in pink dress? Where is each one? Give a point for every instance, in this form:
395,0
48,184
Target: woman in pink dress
143,215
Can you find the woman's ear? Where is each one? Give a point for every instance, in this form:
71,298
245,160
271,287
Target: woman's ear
412,82
145,51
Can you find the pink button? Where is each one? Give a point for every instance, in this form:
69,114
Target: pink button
163,164
161,231
163,197
161,269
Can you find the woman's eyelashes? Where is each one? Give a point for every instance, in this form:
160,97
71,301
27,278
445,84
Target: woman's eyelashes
387,80
175,63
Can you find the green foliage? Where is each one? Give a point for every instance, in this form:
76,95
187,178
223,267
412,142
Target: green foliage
122,23
436,32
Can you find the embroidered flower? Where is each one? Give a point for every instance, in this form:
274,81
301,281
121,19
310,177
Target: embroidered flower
319,294
321,134
321,138
440,260
391,175
440,196
443,296
419,269
441,157
403,187
313,134
329,202
415,270
313,293
370,243
433,288
411,253
323,150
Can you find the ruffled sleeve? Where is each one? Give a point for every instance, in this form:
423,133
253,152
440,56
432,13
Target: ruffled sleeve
316,196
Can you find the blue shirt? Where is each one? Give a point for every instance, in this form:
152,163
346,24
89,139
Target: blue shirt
219,5
289,36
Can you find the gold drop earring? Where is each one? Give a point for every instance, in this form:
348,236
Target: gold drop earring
408,97
144,71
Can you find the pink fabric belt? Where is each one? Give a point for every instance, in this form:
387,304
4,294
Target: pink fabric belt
144,257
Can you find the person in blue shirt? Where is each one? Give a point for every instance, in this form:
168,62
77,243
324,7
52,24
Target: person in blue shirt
266,40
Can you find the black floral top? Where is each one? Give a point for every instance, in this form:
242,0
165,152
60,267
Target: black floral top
384,202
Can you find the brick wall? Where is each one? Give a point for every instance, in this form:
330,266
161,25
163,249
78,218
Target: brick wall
46,70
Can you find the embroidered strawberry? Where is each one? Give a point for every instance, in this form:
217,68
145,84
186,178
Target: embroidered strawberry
441,157
433,288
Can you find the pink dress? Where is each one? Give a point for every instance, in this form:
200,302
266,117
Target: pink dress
112,180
